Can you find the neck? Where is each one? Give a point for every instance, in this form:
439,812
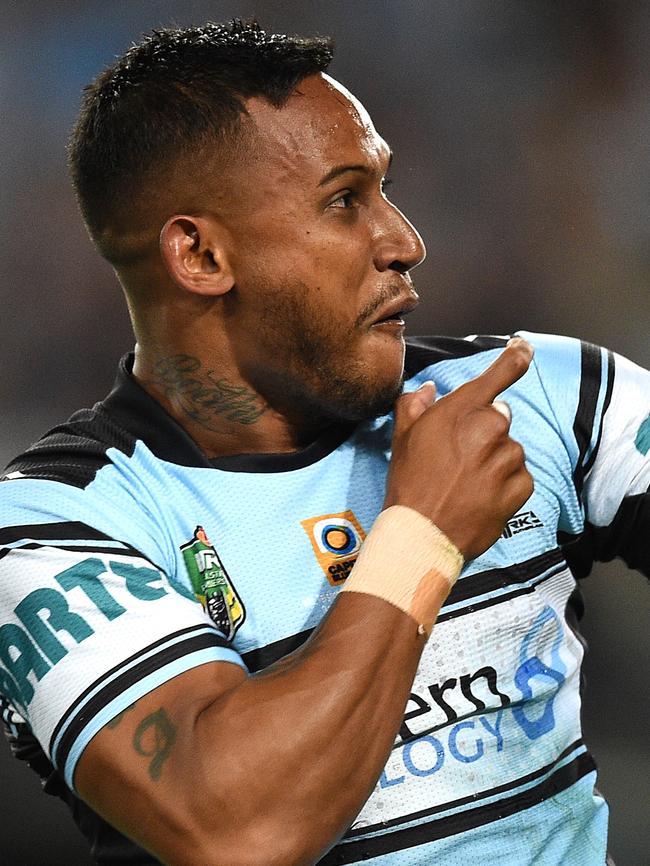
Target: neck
218,409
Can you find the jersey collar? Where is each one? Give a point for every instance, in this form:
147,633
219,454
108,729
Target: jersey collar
141,415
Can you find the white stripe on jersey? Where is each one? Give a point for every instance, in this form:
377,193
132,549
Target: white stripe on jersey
620,469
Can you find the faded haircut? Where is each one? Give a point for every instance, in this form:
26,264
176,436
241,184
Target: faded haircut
170,95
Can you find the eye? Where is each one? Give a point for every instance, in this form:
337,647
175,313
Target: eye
345,200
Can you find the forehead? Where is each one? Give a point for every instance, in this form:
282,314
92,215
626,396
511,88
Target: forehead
321,125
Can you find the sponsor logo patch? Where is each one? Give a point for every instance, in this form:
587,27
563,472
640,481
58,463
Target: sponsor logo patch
336,539
212,585
521,522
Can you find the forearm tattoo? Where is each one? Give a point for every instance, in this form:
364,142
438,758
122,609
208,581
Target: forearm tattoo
201,395
154,738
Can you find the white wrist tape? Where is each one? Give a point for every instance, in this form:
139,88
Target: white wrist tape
409,562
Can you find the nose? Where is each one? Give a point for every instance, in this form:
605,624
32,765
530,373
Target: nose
398,245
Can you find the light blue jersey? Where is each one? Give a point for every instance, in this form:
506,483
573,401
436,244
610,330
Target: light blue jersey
128,557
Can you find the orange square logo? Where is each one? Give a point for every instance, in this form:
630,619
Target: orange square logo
336,540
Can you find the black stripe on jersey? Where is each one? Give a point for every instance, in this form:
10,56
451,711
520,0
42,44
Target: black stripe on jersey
262,657
74,452
608,399
472,798
197,637
88,548
472,607
626,537
431,831
67,530
422,352
500,578
469,587
583,426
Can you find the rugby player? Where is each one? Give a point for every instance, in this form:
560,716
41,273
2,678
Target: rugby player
293,593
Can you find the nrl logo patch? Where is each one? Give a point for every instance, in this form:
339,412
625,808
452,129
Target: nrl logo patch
211,584
336,539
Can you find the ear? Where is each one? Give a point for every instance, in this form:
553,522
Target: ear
194,252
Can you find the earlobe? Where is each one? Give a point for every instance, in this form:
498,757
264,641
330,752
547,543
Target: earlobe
194,254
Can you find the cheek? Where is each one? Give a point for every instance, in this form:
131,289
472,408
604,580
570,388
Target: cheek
277,259
330,263
338,277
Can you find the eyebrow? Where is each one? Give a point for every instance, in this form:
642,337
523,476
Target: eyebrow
343,169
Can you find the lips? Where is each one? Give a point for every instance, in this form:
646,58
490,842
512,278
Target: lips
395,311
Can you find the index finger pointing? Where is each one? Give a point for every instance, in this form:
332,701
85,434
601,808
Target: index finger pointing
510,366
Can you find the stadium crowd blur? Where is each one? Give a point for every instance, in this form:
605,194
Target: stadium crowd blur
521,131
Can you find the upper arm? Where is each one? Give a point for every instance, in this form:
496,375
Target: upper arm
601,403
144,773
88,629
617,501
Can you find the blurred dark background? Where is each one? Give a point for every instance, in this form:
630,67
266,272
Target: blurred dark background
522,139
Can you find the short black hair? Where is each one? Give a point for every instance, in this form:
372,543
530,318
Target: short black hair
176,90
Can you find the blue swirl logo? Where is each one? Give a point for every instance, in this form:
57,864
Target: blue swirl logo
534,678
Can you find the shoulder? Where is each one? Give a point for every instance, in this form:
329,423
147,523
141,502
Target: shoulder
73,452
67,489
558,359
561,397
450,361
427,351
80,485
478,350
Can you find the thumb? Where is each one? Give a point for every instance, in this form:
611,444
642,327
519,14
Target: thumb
409,407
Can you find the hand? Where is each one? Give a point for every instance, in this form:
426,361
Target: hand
453,459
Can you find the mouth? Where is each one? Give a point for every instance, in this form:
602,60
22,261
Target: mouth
393,314
395,323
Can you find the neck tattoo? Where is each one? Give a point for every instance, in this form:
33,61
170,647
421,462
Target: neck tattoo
201,396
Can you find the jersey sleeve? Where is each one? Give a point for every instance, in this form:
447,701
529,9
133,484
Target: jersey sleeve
88,625
601,403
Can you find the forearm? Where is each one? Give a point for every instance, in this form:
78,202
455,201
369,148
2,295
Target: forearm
308,739
272,772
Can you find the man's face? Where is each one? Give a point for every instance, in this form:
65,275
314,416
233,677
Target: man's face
320,257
